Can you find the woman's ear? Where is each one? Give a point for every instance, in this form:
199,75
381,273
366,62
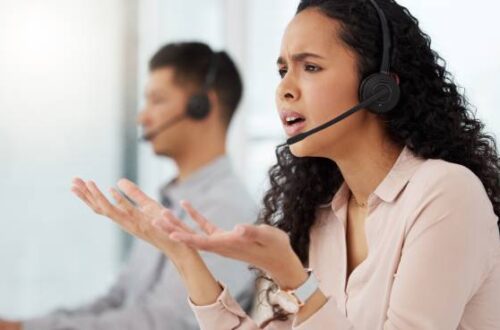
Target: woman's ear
395,77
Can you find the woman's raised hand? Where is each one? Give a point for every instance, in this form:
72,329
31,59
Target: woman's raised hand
263,246
138,219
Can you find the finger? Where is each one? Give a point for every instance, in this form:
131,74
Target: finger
82,186
121,201
132,191
203,223
165,226
134,216
78,182
126,220
119,220
82,196
175,222
105,207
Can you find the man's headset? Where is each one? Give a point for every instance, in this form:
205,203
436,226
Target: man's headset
198,105
379,93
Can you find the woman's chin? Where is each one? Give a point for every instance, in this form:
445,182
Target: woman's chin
300,149
311,147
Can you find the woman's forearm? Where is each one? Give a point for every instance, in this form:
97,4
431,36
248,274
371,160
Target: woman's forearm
202,287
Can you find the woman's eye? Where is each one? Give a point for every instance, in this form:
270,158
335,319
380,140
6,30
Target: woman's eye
311,68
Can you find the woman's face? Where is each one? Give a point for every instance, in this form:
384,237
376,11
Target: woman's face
319,82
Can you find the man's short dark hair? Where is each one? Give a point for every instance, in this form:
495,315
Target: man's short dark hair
191,62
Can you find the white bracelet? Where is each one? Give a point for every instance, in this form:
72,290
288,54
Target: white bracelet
292,300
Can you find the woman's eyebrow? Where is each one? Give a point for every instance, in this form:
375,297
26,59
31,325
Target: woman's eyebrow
298,57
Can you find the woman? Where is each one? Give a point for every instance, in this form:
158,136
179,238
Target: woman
394,214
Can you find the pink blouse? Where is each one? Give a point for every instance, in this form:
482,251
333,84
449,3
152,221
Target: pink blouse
433,258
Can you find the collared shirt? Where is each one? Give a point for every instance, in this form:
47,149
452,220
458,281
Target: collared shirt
149,293
433,257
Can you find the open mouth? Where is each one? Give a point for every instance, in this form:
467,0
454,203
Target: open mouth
293,122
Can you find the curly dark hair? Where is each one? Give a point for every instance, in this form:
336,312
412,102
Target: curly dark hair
433,118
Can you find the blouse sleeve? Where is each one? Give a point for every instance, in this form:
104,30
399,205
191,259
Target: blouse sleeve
226,313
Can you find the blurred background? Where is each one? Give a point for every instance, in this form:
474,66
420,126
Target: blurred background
72,75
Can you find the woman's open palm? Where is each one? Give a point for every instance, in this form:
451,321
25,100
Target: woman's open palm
263,246
137,215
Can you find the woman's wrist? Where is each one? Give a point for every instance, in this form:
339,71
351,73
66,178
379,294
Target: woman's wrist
202,287
291,276
186,261
181,255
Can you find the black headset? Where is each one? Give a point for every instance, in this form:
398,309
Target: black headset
378,93
382,80
198,106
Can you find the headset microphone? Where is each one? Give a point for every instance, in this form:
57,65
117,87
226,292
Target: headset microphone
379,93
302,136
150,135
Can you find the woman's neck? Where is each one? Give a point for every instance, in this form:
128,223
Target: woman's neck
365,166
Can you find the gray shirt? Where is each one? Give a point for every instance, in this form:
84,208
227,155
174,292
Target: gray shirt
149,294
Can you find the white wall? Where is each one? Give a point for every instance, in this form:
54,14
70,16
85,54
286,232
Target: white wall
465,34
61,99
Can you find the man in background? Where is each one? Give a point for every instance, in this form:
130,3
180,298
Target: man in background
191,96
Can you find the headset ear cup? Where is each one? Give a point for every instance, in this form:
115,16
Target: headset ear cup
198,106
376,83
